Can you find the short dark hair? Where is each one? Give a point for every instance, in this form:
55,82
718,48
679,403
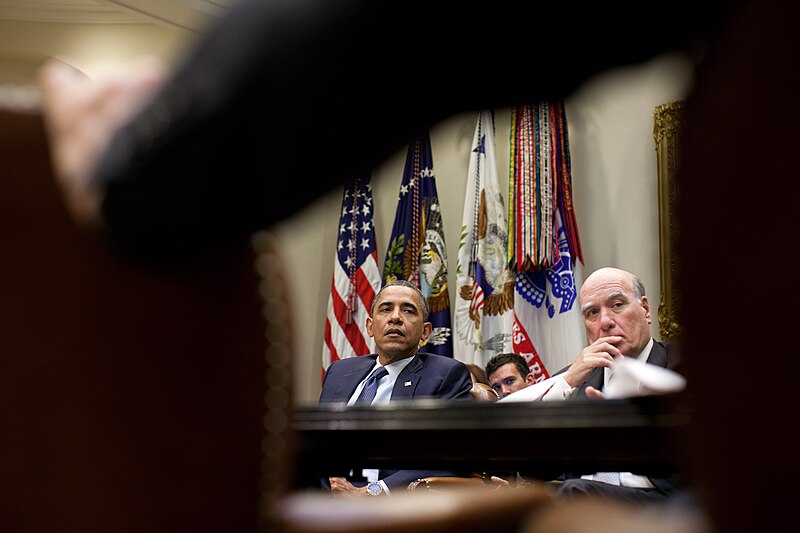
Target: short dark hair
426,311
503,359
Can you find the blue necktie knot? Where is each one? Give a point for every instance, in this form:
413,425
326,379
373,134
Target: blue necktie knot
371,387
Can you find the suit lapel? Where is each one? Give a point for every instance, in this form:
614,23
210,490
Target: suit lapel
596,378
407,380
351,379
658,355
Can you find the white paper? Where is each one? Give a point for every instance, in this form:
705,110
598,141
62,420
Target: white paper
632,377
531,393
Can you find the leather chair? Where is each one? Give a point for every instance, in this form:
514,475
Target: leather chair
483,393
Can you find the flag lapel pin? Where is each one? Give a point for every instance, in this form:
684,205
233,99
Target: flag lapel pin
407,384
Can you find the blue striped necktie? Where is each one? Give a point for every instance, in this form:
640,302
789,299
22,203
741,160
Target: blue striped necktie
371,387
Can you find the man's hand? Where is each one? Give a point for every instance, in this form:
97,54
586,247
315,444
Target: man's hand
600,353
594,394
341,487
81,115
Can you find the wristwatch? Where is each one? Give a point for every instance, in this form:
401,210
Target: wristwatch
374,489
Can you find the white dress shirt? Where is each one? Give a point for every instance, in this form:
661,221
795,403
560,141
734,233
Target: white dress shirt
384,395
386,383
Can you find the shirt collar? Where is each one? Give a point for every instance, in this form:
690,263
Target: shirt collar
395,368
645,353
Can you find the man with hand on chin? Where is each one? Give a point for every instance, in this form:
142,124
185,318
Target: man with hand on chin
617,317
398,322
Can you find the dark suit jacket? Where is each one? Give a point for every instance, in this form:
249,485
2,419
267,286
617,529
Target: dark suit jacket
431,376
662,354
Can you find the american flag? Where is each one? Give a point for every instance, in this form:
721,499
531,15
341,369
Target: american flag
416,250
356,277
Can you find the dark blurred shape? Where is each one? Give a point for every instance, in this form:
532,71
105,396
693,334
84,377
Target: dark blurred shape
738,225
131,398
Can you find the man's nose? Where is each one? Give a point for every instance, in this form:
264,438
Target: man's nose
395,315
606,320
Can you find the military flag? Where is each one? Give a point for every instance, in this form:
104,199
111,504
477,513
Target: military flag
356,277
416,250
485,284
544,247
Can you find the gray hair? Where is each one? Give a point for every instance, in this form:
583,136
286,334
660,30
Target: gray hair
638,287
426,311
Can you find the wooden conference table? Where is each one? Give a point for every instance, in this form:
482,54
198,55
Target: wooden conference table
540,439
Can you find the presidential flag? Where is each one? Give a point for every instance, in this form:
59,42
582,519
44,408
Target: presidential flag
416,250
544,246
356,277
485,284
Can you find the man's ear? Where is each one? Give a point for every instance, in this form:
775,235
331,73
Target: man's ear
369,326
646,306
530,379
427,328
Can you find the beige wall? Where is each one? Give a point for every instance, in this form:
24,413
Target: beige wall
614,178
613,157
25,45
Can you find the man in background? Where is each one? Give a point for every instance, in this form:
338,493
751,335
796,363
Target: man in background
508,372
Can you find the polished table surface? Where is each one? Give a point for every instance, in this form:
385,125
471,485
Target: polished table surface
541,439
